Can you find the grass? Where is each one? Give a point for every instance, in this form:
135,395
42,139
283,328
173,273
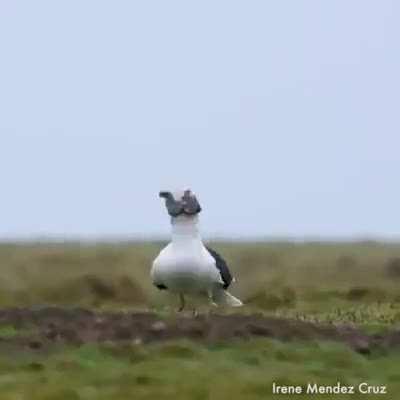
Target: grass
8,331
334,282
184,370
355,283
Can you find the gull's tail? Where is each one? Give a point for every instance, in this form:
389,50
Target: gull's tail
223,298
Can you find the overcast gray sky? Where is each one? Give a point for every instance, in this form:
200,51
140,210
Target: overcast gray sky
283,116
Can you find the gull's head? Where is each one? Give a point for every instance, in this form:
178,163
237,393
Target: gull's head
181,202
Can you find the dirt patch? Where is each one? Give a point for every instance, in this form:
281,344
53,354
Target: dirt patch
45,326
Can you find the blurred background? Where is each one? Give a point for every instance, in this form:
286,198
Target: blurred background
281,116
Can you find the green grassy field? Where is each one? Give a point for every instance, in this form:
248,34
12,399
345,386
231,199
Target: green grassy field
353,283
184,370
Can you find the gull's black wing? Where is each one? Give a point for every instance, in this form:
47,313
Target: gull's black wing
226,275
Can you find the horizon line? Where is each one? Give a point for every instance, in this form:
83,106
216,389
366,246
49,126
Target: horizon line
115,238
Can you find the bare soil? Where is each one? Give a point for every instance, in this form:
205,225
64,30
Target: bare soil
40,328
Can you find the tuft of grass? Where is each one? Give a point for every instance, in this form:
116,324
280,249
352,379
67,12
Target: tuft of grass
8,332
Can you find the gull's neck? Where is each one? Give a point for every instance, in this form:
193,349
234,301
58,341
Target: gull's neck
185,228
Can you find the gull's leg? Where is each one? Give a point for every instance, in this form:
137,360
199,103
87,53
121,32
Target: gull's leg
210,298
211,303
182,300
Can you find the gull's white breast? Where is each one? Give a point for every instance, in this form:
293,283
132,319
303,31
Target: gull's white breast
186,268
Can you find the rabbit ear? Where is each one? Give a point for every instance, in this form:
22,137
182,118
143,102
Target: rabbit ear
190,203
174,207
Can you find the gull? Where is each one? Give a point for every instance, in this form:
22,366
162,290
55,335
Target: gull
186,266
